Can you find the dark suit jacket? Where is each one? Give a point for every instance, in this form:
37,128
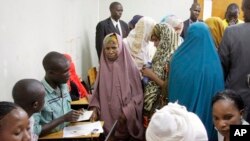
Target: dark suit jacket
105,27
185,28
234,53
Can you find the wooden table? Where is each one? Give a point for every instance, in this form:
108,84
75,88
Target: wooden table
81,103
59,135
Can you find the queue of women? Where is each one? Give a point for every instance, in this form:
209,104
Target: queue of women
187,71
184,97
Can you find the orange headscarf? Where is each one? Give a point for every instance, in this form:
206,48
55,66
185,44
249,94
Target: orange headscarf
216,27
74,78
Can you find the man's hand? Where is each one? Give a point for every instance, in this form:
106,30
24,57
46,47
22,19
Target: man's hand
72,116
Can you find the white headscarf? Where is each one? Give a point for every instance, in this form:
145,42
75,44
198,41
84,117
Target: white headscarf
174,123
174,21
138,41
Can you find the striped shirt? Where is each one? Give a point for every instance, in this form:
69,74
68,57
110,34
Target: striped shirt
57,104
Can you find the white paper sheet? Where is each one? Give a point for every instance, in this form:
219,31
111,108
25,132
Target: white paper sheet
85,116
85,129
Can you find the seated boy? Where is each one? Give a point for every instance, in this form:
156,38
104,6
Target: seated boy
29,94
57,110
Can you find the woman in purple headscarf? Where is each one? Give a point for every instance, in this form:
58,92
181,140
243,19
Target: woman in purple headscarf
118,91
134,20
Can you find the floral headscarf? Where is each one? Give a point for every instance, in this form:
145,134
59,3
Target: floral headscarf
168,44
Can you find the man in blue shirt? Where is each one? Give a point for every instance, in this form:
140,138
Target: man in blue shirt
29,94
56,111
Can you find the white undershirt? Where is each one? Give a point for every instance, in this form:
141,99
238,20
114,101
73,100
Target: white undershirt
119,26
34,137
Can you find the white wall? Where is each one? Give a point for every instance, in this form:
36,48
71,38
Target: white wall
156,9
29,29
207,11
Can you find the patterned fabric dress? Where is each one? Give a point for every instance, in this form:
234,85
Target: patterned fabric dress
167,45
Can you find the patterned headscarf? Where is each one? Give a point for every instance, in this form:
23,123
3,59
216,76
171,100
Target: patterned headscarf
138,41
216,27
167,45
111,38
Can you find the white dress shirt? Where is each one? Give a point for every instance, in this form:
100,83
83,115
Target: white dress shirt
119,25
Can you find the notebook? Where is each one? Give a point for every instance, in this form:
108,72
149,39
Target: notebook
85,116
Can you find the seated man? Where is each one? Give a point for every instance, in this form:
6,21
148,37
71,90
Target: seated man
29,94
232,15
56,111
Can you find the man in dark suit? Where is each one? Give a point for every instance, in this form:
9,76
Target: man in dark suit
234,52
110,25
194,14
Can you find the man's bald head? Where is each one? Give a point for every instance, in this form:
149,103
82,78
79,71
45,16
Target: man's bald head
29,94
195,11
54,61
56,67
194,5
116,10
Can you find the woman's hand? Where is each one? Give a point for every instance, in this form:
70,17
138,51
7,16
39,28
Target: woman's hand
94,116
122,118
147,72
167,68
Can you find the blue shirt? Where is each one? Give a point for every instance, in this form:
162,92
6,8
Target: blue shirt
57,104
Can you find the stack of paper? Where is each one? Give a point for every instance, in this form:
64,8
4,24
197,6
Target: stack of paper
85,116
84,129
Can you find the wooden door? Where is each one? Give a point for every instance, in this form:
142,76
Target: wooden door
219,7
201,2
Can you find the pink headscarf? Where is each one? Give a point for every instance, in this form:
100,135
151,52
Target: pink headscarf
118,90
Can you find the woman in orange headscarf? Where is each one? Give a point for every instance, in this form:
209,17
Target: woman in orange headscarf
217,28
77,90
